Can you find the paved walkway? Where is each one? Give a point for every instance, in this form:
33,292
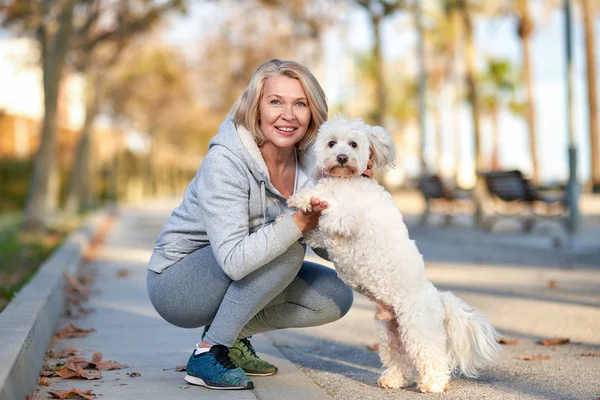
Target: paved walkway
530,291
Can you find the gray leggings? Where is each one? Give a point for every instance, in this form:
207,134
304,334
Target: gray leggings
288,292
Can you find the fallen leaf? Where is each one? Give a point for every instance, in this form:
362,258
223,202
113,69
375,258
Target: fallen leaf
553,342
134,374
72,393
552,283
43,381
73,370
123,273
68,352
107,365
508,341
590,354
538,357
374,347
76,285
72,331
181,368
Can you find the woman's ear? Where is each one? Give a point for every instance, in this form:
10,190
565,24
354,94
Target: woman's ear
382,146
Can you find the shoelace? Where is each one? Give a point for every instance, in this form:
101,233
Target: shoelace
224,360
248,346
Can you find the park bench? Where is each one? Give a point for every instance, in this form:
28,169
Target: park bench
514,195
440,198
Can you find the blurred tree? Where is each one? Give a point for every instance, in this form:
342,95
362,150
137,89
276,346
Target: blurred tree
97,45
588,9
151,89
51,22
254,32
377,11
525,31
498,89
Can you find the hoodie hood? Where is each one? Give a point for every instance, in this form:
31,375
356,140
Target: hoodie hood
240,142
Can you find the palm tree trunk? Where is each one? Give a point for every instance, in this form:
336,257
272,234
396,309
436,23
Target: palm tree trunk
525,32
380,98
495,141
588,18
471,73
43,188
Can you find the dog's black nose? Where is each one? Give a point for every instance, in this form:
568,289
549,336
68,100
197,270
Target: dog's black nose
342,159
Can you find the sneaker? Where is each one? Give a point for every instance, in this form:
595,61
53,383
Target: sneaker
215,370
243,355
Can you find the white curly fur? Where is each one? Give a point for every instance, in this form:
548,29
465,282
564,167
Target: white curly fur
428,335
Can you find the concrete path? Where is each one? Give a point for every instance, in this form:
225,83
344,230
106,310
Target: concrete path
129,331
530,291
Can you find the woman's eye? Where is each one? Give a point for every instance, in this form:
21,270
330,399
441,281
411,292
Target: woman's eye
275,102
331,144
301,104
353,145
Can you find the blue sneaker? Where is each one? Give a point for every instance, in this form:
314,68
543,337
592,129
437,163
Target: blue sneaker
215,370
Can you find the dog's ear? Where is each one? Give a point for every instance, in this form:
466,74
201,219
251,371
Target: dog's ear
382,146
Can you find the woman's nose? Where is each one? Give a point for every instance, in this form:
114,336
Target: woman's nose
288,112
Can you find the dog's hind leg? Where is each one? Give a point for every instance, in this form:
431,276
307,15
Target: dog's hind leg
397,368
423,336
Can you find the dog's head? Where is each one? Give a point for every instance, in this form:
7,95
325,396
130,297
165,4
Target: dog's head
343,147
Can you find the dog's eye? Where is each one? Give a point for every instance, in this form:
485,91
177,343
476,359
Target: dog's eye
353,145
331,144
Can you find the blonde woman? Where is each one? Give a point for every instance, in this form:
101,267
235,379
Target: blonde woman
221,261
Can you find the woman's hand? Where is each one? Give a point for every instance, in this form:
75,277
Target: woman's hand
307,220
369,171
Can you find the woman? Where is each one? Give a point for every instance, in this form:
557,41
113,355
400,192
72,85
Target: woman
222,261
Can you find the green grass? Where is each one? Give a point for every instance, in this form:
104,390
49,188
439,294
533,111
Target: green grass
21,254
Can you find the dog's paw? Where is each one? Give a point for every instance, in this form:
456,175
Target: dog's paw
299,202
434,386
392,378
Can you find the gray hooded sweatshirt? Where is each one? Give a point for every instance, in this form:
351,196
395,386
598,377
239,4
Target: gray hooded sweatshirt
231,205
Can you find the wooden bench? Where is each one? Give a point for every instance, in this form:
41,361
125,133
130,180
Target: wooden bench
513,195
440,198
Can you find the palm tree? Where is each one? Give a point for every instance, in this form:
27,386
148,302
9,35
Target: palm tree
377,10
525,31
588,20
498,86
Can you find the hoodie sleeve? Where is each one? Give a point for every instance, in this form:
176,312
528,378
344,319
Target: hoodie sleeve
223,193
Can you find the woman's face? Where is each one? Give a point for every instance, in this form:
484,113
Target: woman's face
283,111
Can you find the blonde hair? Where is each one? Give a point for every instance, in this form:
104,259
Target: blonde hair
245,111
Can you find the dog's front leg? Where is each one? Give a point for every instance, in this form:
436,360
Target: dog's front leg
340,219
301,200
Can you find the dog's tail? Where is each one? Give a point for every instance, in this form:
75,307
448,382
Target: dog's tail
471,338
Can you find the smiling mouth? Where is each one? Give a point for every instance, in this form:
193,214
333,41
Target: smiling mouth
286,130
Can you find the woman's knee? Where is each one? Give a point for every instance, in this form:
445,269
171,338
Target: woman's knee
324,284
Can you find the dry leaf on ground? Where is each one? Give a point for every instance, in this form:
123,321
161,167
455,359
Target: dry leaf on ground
552,283
554,341
374,347
123,272
590,354
68,352
508,341
107,365
133,374
181,368
75,369
538,357
43,381
72,393
72,331
75,285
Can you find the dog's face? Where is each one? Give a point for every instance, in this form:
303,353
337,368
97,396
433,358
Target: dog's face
342,148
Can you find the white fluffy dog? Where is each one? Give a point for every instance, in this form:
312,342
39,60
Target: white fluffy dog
424,335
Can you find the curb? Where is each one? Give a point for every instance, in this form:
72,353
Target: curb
28,322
